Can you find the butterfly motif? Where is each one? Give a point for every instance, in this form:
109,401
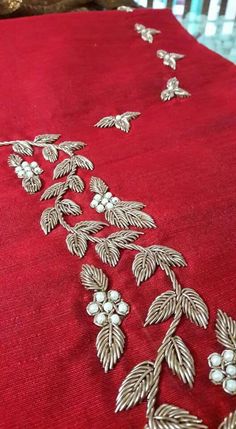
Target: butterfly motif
173,90
169,58
122,122
146,33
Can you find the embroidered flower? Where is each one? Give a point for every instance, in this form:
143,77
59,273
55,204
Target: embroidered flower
107,307
103,202
223,370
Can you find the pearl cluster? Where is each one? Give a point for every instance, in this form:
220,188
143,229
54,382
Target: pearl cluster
224,370
103,202
107,307
26,170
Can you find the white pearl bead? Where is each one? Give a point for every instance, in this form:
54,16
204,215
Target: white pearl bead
231,370
27,168
37,170
108,195
29,174
100,296
21,174
25,164
100,208
228,355
18,169
104,201
214,360
108,306
94,204
115,319
115,200
230,386
97,197
123,308
109,206
92,308
216,376
118,117
34,164
114,295
100,319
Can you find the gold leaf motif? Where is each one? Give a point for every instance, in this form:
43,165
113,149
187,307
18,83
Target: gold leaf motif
229,421
161,308
226,330
93,278
14,160
70,147
194,307
50,153
23,147
76,184
32,185
108,252
122,238
63,168
179,360
168,256
124,215
135,386
171,417
77,244
144,265
69,207
89,226
53,191
46,138
83,162
110,345
49,220
98,186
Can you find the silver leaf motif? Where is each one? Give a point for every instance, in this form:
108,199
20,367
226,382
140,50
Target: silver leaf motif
63,168
70,147
173,90
98,186
226,330
22,147
47,138
179,360
124,215
121,122
229,421
110,345
83,162
122,238
135,386
75,183
169,58
167,256
108,252
93,278
50,153
144,266
161,308
69,207
14,160
49,219
53,191
32,185
146,33
194,307
89,226
171,417
77,244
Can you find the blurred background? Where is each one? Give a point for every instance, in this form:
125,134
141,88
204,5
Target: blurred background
212,22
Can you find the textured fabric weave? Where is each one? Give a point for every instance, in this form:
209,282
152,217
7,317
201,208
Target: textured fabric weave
61,74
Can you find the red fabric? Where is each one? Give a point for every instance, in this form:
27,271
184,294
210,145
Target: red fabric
61,74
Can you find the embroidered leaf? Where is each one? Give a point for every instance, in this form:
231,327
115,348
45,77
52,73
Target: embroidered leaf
70,147
179,360
98,186
108,252
122,238
161,308
32,185
110,345
89,227
49,219
46,138
63,168
226,330
22,147
83,162
229,421
168,256
53,191
68,207
76,184
93,278
168,416
143,266
135,386
50,153
77,244
194,307
14,160
123,216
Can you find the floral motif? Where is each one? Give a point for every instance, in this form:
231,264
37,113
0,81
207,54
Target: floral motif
121,122
107,308
169,58
173,90
26,171
146,33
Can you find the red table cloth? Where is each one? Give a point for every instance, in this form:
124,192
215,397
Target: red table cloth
61,74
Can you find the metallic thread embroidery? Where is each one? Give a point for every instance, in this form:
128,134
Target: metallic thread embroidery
173,90
229,421
108,309
169,58
146,33
29,173
121,122
223,366
125,9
